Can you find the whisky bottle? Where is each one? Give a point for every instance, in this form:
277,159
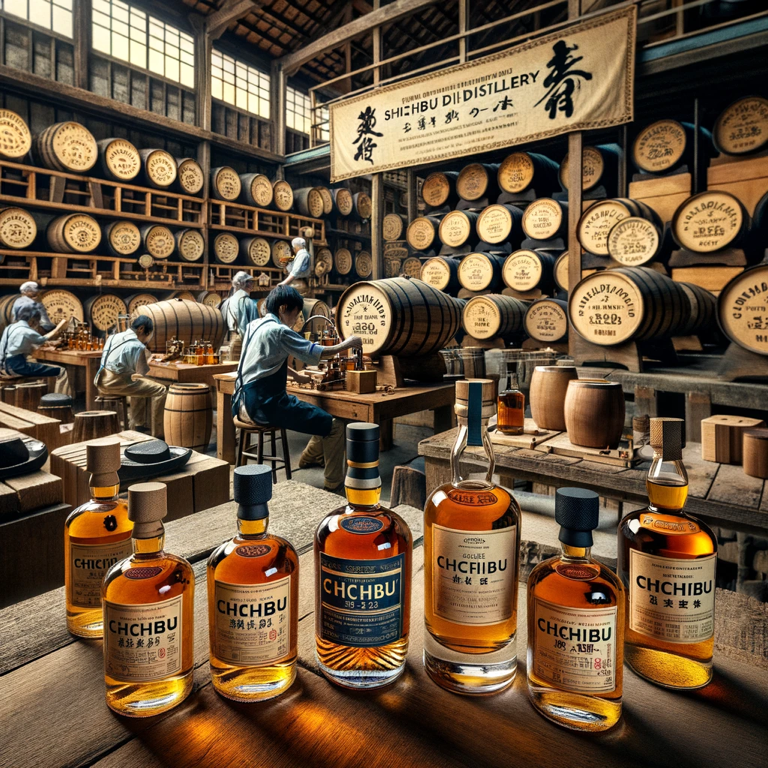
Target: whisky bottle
96,535
148,616
471,539
253,599
511,408
667,561
576,625
363,554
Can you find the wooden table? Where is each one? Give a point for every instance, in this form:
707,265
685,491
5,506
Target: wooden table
53,711
184,373
376,408
78,359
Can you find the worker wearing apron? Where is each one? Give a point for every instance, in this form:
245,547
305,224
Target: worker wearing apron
300,268
30,297
238,310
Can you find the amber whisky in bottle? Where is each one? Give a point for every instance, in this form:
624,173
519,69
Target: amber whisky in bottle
363,554
667,561
576,625
148,616
511,408
471,540
253,599
96,536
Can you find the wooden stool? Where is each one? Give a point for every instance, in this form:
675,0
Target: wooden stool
57,406
246,430
92,424
116,403
28,395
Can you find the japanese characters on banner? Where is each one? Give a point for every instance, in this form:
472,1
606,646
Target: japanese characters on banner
576,79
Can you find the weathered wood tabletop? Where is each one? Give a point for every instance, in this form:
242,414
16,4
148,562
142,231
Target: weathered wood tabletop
185,373
53,712
79,358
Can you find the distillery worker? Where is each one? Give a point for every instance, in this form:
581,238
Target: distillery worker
300,267
239,310
123,372
30,297
260,395
20,339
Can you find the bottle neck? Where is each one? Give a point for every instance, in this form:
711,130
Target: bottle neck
104,493
150,545
571,554
247,528
358,497
667,483
512,383
475,436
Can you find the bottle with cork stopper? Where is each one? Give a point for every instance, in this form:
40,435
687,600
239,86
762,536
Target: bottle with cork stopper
471,540
576,625
148,603
253,599
96,535
667,560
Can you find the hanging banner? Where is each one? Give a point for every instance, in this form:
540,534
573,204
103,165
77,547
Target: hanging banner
573,80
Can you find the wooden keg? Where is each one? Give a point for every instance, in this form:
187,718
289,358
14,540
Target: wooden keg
225,183
594,413
494,317
68,147
742,307
398,316
627,304
62,305
393,227
342,201
190,244
422,233
393,266
634,241
314,308
560,272
209,298
598,167
362,205
226,248
323,261
665,146
160,169
158,241
755,452
710,221
309,202
546,320
184,295
123,238
600,218
186,320
742,127
439,189
477,181
549,385
256,251
256,190
137,300
15,138
545,219
327,197
73,233
457,228
441,272
119,159
28,395
282,195
188,419
481,271
281,253
500,224
342,261
527,270
102,311
701,318
18,228
6,309
56,406
364,265
521,171
190,178
411,267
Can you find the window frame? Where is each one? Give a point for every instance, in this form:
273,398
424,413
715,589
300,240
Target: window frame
14,19
250,67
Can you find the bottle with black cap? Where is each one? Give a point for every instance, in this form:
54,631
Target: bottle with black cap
576,625
363,554
253,599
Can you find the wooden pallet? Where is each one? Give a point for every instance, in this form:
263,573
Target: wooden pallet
34,424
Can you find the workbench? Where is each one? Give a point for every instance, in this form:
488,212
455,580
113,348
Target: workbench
185,373
376,408
75,358
54,714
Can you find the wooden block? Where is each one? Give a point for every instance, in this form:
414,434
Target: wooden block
409,486
390,373
663,194
698,406
211,483
361,382
755,452
721,437
712,278
9,502
745,179
39,489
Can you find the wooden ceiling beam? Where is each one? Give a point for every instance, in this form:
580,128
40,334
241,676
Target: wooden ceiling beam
232,10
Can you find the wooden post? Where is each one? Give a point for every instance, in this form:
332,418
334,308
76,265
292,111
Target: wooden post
463,18
412,193
81,35
278,82
377,181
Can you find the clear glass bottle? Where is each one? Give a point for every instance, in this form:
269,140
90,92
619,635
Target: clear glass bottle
471,541
148,616
363,554
96,536
253,599
576,625
511,408
667,561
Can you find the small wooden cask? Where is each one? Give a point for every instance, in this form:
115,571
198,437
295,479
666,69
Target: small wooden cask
755,451
721,437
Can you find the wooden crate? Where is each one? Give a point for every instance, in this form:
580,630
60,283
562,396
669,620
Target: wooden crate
745,179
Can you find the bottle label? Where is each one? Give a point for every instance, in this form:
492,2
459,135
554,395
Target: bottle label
672,600
143,642
474,575
253,622
671,525
472,498
575,648
362,600
87,566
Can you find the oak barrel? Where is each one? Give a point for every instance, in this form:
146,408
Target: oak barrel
209,298
702,311
742,127
439,189
256,251
282,195
710,221
256,189
364,265
28,395
411,267
190,178
599,219
594,413
137,300
481,271
225,183
309,202
393,227
68,147
73,233
314,308
422,233
362,204
546,320
123,238
500,224
119,159
190,244
398,316
158,240
327,198
494,317
477,181
343,261
281,252
457,228
6,309
527,270
741,302
188,419
545,219
323,261
549,385
18,228
634,241
186,320
15,138
664,146
90,425
102,311
342,201
520,171
226,248
160,168
599,167
441,272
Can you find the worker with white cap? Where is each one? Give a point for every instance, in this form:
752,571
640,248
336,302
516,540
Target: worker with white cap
300,266
30,293
238,310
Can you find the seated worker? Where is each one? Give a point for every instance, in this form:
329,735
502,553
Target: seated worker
301,266
239,310
260,396
30,297
21,339
122,372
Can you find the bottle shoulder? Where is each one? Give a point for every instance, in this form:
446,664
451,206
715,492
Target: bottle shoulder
253,560
670,532
97,519
142,579
366,533
588,584
471,506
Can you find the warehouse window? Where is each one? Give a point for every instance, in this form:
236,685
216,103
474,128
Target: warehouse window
298,111
134,36
51,14
239,84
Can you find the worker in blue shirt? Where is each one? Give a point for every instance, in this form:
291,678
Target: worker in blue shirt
300,268
239,310
260,395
